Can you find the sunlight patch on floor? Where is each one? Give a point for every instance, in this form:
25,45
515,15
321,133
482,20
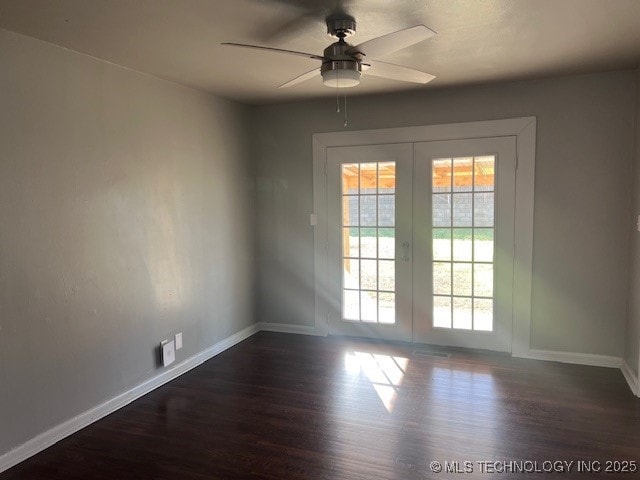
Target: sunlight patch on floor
385,373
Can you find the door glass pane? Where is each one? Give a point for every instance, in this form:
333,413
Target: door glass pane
368,275
483,280
350,175
483,209
462,313
368,210
387,275
368,253
483,314
463,253
441,175
386,307
369,306
442,312
350,242
442,243
484,173
462,279
387,243
351,273
462,174
368,242
483,244
351,305
386,177
442,278
462,209
441,208
462,244
368,178
350,211
386,210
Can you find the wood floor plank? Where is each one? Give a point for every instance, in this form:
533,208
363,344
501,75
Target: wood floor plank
281,406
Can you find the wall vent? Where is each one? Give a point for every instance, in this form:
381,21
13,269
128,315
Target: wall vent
429,353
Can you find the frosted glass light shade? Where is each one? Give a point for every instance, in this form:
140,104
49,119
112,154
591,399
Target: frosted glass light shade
341,78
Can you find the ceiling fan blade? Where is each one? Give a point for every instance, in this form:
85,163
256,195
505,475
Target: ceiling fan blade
302,78
275,50
392,42
396,72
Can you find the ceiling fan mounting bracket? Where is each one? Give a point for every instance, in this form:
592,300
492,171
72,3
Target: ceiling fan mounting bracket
341,25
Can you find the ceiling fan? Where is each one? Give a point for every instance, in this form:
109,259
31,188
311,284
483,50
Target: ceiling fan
342,63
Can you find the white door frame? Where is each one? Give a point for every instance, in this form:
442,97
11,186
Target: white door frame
524,129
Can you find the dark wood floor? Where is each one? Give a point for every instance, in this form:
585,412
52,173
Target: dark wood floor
280,406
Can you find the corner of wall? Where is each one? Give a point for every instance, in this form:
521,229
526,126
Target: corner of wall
631,353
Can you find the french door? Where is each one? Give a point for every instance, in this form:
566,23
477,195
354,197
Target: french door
369,195
421,241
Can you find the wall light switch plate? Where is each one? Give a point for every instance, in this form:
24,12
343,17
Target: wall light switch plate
168,353
313,219
178,341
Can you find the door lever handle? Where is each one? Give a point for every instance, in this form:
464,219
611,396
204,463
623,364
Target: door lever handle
406,253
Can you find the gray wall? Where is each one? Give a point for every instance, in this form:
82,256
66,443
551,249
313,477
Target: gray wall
125,216
632,334
584,152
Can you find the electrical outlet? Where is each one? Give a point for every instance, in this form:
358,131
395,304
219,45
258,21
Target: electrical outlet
168,353
178,341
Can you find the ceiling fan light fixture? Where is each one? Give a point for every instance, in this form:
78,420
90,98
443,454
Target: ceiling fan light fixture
341,78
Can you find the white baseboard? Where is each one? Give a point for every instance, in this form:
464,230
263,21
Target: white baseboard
573,357
57,433
587,359
631,378
288,328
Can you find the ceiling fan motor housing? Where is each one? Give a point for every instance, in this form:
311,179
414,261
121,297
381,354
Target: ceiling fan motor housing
340,69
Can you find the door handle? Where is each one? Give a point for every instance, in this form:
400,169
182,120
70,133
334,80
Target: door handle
406,252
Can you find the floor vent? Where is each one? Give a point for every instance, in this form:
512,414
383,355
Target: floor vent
427,353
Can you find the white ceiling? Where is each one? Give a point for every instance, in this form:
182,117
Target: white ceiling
478,40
